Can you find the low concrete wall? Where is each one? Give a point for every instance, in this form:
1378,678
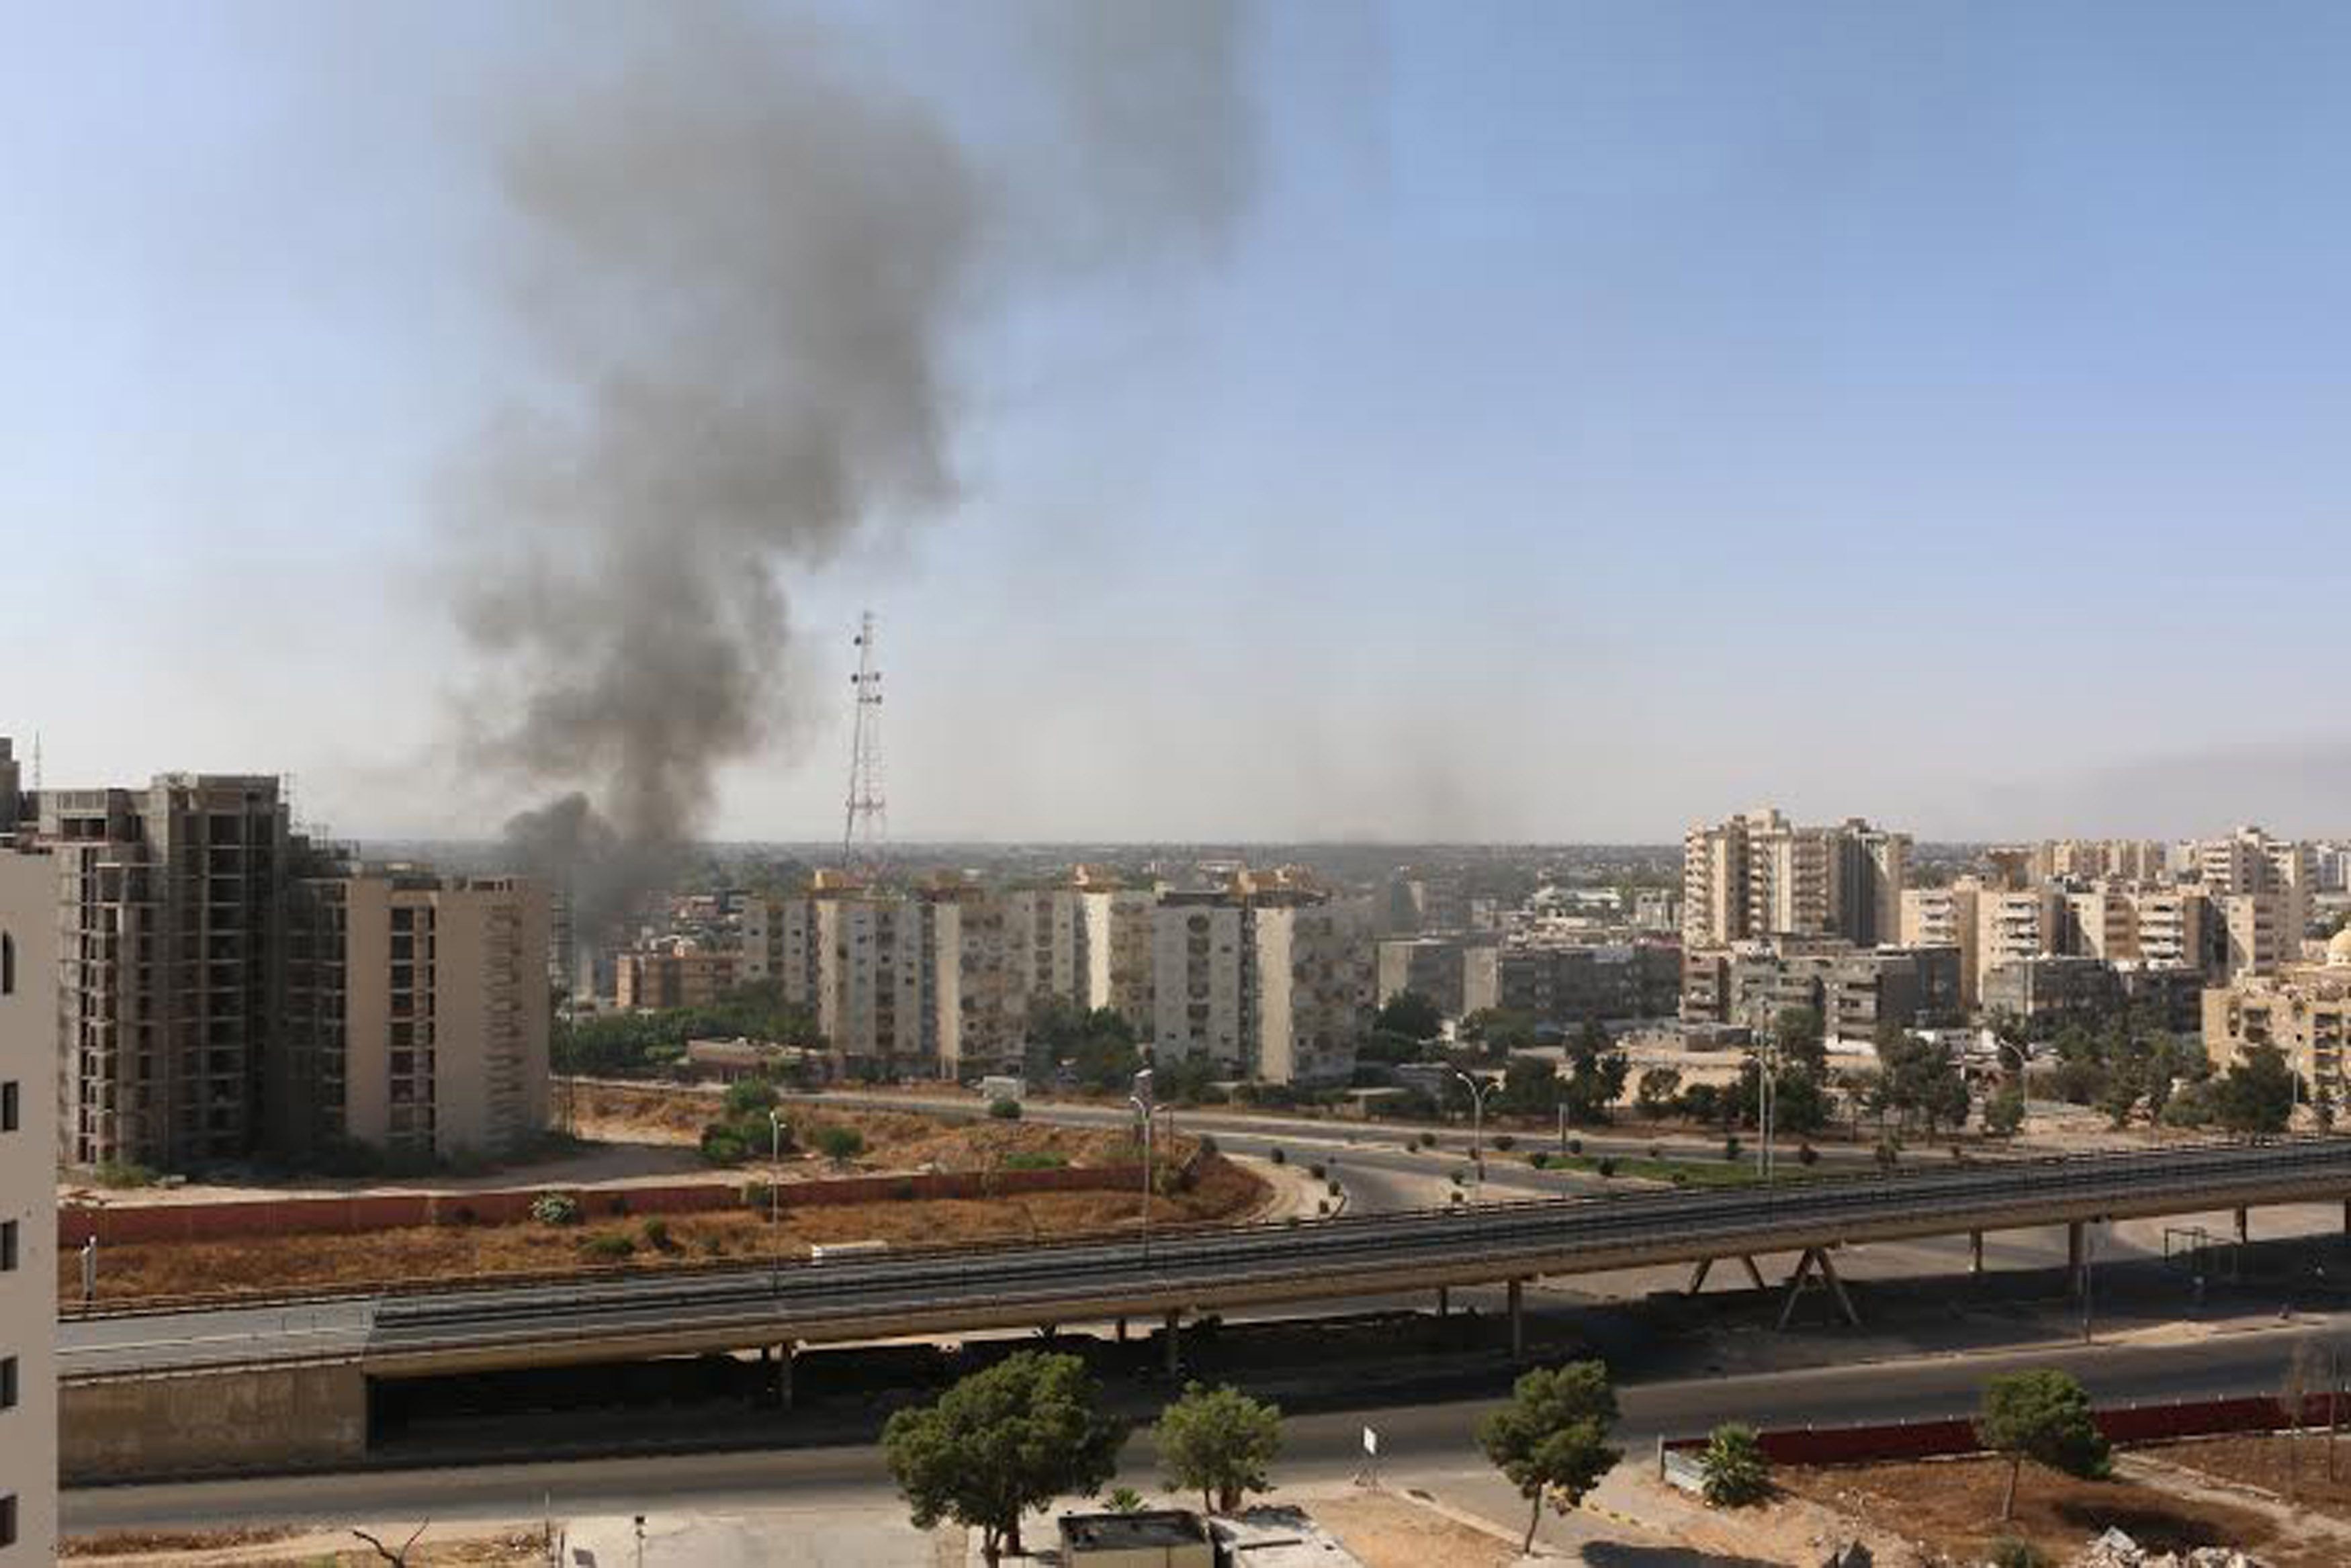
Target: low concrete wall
1945,1439
198,1423
115,1223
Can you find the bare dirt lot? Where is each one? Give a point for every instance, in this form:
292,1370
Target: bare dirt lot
895,1140
133,1271
1952,1506
1389,1533
2294,1469
292,1549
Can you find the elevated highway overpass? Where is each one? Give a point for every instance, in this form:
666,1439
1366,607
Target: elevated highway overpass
457,1328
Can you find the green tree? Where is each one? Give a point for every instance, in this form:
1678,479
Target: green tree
2256,1094
1552,1438
840,1143
1220,1443
1412,1015
1655,1096
1496,1031
1733,1467
1802,1038
1003,1442
753,1096
2043,1416
1597,1068
2003,1113
1918,1079
1530,1087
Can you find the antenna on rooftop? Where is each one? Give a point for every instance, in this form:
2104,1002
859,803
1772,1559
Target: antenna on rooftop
866,828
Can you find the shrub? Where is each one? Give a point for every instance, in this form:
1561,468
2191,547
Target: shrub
721,1146
1459,1177
123,1173
1506,1142
1736,1472
758,1195
1731,1147
655,1232
609,1248
1323,1208
1539,1160
1807,1155
1207,1143
1318,1170
1124,1500
1031,1159
1335,1188
2008,1552
1607,1166
1004,1110
1575,1146
1428,1140
1657,1151
1277,1156
840,1143
714,1245
555,1208
754,1097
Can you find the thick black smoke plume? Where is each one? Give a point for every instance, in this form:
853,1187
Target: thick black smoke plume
747,263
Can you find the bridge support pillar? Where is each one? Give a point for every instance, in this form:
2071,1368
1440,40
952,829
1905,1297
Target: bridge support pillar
784,1353
1698,1272
1443,1300
1174,1344
1518,1321
1817,1259
2347,1217
1121,1330
2244,1227
1754,1273
1975,1253
2074,1257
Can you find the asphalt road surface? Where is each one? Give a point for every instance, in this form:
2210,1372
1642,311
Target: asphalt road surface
1415,1441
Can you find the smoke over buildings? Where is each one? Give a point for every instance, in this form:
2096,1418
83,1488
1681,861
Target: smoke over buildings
743,263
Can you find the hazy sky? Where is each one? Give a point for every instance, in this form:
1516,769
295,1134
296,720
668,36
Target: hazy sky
1602,416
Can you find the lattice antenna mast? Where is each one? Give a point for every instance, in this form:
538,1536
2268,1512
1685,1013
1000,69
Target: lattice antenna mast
866,827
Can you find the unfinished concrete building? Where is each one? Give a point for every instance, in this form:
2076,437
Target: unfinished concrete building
169,926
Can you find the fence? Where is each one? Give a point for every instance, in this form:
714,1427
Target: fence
1937,1439
115,1224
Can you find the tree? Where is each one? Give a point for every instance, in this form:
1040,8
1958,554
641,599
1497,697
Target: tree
1655,1096
1531,1086
1412,1015
1598,1068
1918,1078
1552,1438
1219,1442
2043,1416
2257,1093
2003,1114
1002,1442
1733,1467
1802,1038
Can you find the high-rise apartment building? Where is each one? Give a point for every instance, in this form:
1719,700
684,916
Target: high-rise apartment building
1758,877
1263,978
171,901
2275,878
1461,974
1118,952
28,1224
1944,917
417,1013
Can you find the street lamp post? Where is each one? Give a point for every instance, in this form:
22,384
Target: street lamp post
775,1162
1478,1092
1140,1101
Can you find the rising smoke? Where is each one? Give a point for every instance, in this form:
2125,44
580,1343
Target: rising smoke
746,262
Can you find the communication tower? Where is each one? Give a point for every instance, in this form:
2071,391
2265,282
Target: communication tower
866,828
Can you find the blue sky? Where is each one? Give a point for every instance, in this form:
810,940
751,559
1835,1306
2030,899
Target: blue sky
1605,415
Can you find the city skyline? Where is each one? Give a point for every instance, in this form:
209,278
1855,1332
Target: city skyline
1707,408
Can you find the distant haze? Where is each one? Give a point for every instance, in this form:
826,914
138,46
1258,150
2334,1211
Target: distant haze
1250,421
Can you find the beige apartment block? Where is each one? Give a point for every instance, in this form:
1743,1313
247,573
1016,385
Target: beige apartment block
674,974
1944,917
419,1011
2264,930
2305,1011
1118,952
1757,877
2013,927
28,1225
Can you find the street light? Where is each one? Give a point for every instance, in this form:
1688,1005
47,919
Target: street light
1478,1092
775,1161
1140,1101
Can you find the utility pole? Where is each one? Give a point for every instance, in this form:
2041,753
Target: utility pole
775,1162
